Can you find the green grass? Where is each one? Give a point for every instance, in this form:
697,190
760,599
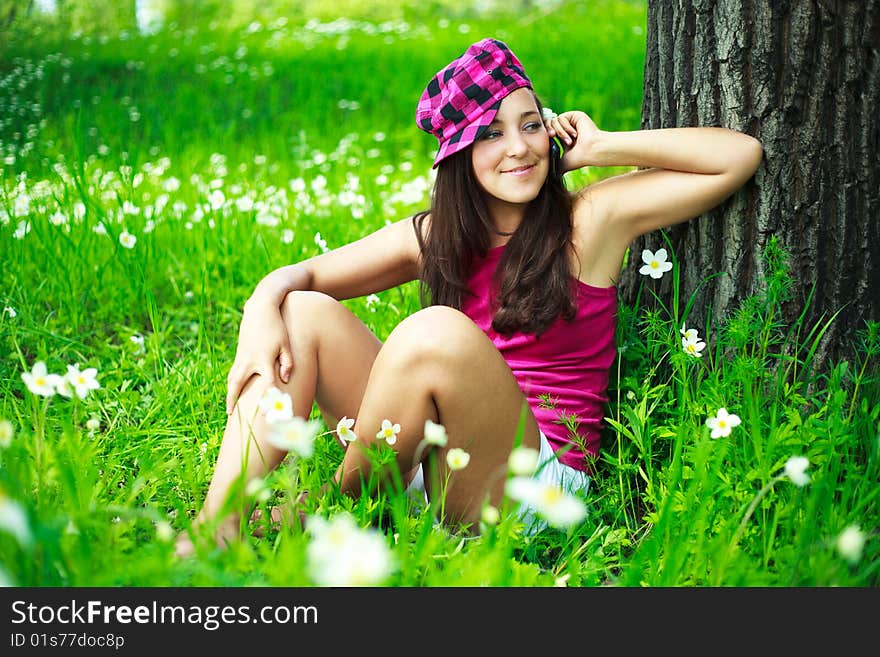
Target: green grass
96,131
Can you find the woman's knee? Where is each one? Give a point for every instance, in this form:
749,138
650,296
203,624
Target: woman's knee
308,307
436,332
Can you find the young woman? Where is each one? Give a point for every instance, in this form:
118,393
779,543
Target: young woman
520,274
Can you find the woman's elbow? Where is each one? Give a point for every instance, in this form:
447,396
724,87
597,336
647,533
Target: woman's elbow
753,153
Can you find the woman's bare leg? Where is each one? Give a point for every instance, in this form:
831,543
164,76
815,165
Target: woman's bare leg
437,364
333,352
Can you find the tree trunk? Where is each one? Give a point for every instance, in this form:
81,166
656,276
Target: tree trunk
803,76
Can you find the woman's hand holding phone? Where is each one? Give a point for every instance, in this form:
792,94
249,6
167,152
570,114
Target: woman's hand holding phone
578,134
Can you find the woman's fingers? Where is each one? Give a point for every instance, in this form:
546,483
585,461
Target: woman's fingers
564,128
234,383
285,362
239,375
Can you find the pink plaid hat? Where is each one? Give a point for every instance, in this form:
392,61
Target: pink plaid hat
463,98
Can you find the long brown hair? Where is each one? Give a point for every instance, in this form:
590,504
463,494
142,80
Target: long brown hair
533,281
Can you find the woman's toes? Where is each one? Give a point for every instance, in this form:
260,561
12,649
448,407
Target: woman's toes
183,547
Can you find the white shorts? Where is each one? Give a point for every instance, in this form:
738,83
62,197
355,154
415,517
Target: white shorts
550,471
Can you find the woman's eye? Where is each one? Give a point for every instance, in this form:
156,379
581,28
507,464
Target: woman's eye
491,134
531,127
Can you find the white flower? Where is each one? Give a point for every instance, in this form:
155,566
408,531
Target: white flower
435,434
13,520
40,382
216,199
22,205
127,240
93,424
7,431
692,345
342,554
9,310
547,114
24,227
277,405
850,543
62,387
490,515
372,302
343,429
687,333
388,432
258,489
83,381
655,263
457,458
523,461
795,469
244,203
558,508
138,342
164,531
722,424
295,435
321,242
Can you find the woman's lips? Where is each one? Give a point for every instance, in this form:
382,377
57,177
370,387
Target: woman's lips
520,171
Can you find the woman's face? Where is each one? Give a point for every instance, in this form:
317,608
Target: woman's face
511,158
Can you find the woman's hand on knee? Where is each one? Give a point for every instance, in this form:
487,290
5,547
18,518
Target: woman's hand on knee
263,342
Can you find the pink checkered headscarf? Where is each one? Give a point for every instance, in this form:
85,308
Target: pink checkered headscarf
462,99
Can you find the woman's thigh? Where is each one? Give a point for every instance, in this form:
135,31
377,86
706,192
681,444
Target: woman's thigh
334,351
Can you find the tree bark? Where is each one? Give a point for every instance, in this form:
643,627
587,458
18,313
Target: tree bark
803,76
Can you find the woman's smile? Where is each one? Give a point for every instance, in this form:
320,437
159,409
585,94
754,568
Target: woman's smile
523,170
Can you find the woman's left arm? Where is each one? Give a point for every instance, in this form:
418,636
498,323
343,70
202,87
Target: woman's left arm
685,171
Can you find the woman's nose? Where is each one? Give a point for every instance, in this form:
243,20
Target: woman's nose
516,145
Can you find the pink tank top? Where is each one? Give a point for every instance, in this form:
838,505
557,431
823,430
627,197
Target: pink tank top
570,362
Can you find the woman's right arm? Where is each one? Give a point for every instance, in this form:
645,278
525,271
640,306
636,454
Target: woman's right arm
383,259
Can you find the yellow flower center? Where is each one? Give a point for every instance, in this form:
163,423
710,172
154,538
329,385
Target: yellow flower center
654,264
552,495
41,381
722,423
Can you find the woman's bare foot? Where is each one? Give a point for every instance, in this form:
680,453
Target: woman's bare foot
225,534
290,515
183,546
